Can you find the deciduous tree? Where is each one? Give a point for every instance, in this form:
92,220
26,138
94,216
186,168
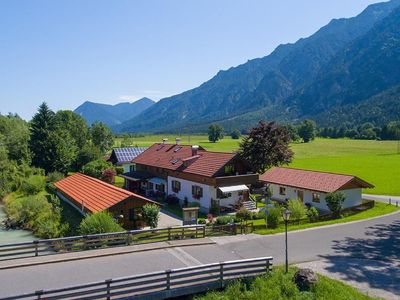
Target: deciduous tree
307,130
102,136
267,145
215,133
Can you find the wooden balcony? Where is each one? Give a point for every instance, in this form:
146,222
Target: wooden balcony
236,180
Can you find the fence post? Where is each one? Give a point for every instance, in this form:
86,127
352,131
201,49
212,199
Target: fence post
268,265
221,274
390,200
128,237
39,294
84,242
168,279
204,231
169,233
36,242
108,285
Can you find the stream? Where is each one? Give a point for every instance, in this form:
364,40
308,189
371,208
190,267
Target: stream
12,235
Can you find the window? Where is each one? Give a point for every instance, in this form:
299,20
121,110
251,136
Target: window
197,191
160,187
131,168
316,197
282,190
176,186
221,195
150,185
135,214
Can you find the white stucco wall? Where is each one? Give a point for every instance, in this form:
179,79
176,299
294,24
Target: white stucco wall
127,167
186,191
353,196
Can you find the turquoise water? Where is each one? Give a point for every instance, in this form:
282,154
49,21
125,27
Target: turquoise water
12,236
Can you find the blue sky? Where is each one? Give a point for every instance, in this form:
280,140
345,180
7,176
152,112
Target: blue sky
67,52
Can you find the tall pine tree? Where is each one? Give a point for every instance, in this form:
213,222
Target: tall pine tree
41,146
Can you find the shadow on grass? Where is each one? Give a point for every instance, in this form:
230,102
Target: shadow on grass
374,259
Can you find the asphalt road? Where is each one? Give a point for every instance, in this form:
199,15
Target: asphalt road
395,200
368,241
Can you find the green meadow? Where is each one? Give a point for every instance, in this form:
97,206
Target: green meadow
377,162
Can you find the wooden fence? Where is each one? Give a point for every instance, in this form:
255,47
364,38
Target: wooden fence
107,240
159,285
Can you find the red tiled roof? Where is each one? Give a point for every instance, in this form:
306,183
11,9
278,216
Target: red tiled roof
96,195
172,157
311,180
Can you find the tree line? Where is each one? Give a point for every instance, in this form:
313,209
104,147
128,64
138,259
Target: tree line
51,142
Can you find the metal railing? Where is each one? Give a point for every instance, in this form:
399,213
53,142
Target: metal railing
159,285
108,240
99,241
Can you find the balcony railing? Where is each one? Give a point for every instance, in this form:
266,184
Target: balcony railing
236,179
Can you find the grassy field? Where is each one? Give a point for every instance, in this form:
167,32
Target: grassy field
225,145
374,161
379,209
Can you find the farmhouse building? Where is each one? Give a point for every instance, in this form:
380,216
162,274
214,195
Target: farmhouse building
311,187
124,156
191,174
90,195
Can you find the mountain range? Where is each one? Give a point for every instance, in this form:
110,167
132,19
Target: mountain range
112,114
348,71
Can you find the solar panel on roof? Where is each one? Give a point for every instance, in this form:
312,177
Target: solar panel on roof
127,154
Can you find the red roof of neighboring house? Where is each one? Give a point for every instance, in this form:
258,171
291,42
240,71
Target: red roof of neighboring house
96,195
312,180
173,157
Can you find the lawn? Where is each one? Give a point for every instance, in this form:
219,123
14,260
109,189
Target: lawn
374,161
379,209
377,162
278,285
225,145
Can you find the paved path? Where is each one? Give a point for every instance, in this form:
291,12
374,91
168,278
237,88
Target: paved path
369,241
383,198
168,220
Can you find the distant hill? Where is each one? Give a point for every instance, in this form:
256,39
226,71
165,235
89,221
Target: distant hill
344,63
112,114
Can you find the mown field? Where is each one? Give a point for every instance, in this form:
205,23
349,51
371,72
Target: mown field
375,161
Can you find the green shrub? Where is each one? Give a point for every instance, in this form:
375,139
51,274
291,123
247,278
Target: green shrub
312,214
243,215
224,220
119,170
35,213
260,215
33,185
201,221
51,178
194,204
100,222
54,177
297,210
334,201
150,214
96,168
273,217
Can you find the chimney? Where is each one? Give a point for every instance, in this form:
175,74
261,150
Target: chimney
194,150
177,141
164,141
